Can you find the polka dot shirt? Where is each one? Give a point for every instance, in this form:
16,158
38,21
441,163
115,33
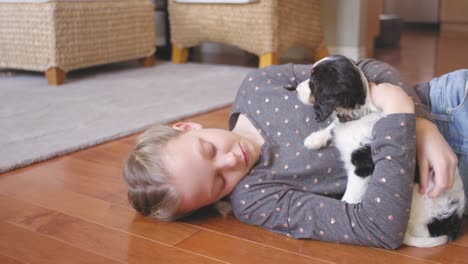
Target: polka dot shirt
296,191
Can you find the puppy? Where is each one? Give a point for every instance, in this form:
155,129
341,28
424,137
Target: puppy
339,90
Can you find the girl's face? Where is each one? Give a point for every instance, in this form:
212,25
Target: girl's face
206,164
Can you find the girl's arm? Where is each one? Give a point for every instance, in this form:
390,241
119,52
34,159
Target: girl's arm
381,218
433,151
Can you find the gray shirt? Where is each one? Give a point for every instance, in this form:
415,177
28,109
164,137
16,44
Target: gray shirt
296,191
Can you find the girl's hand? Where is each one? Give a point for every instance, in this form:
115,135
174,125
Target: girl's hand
433,152
391,99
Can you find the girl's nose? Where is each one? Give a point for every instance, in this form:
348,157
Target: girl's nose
229,160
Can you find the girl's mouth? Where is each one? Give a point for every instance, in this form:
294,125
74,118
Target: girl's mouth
245,154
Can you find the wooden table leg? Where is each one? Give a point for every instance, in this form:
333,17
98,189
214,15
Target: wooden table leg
55,76
148,61
179,55
268,59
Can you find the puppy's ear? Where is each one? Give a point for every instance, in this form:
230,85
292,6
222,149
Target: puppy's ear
323,85
311,84
324,109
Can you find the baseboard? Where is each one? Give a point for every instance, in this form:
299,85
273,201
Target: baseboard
419,26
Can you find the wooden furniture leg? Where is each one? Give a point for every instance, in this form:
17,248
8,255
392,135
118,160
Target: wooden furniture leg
179,55
55,76
149,61
268,59
321,52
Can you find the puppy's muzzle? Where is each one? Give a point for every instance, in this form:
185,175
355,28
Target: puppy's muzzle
304,93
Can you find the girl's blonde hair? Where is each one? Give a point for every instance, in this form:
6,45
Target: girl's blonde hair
149,188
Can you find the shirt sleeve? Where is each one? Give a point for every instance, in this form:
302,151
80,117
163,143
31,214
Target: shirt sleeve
381,72
379,220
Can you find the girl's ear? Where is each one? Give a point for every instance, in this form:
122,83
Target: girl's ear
186,126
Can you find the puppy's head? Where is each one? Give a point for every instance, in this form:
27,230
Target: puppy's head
336,83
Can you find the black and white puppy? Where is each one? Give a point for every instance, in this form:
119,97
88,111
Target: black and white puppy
339,90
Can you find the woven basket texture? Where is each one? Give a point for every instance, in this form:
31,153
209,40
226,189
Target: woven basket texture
75,34
259,28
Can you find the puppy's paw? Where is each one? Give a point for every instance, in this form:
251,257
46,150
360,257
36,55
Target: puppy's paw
351,199
317,139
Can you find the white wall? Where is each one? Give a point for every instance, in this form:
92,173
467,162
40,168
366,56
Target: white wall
344,26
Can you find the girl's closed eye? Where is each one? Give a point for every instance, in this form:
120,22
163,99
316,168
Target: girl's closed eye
209,149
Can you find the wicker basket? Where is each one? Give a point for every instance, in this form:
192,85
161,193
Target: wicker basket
74,34
269,26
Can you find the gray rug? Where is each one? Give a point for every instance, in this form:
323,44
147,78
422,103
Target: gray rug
38,121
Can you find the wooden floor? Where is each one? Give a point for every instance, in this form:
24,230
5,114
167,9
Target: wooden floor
73,209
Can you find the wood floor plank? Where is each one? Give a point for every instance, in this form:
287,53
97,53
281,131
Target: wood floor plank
80,176
129,140
462,240
36,191
108,242
108,154
449,253
210,220
215,119
451,53
235,250
32,247
84,177
404,60
9,260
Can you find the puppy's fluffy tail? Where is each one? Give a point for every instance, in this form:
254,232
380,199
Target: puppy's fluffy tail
424,242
